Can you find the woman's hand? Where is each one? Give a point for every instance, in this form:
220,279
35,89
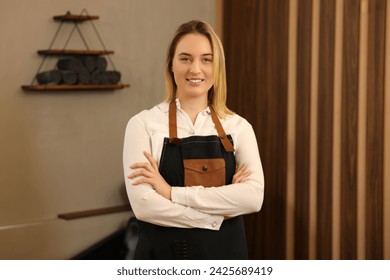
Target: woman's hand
148,171
241,174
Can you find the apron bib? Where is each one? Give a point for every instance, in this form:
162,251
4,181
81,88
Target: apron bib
196,160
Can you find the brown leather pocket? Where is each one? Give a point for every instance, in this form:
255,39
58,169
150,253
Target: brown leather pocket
204,172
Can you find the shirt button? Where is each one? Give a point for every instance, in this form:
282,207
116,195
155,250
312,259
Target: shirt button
204,113
214,224
192,132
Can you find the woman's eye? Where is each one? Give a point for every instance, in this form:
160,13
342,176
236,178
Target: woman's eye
207,60
185,59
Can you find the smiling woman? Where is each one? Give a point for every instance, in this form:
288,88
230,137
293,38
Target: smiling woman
192,166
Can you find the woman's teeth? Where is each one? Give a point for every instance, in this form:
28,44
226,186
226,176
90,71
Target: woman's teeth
194,80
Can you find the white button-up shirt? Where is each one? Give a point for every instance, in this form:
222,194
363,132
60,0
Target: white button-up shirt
192,206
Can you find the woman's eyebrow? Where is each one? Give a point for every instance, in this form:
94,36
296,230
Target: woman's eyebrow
205,54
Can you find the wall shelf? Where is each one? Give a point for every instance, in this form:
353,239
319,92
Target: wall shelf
83,77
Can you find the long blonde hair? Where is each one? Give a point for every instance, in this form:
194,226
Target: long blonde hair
217,93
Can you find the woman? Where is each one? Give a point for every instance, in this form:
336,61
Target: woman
180,159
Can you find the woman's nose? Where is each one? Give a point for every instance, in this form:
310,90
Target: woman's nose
195,68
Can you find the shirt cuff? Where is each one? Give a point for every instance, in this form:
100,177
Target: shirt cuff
214,222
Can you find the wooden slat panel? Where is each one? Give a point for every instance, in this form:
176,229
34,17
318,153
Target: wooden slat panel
256,39
302,134
375,133
350,74
325,130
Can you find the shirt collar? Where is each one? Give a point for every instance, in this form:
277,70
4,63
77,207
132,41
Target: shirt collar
164,107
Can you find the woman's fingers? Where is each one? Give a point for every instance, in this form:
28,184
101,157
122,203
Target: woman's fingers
241,174
151,160
145,165
140,172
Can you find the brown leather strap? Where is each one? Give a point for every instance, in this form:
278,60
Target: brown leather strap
172,124
221,132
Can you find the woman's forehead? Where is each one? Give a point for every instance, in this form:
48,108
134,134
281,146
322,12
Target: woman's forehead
193,44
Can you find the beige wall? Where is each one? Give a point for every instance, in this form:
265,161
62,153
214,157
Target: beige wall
61,152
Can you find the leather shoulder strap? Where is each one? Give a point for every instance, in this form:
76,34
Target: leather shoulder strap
173,139
221,132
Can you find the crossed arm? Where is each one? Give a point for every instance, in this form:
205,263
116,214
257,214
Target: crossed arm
153,200
147,173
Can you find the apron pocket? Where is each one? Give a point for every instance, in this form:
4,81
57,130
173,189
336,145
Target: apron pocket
204,172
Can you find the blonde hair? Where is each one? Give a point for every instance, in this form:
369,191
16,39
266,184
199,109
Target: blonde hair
217,93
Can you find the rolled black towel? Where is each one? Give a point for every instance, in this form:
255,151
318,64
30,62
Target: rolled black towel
101,63
114,77
111,77
83,78
71,64
69,77
49,77
89,63
96,77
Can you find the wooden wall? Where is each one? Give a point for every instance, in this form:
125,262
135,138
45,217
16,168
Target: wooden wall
313,78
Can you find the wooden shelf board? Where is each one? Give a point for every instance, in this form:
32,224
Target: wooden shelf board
74,52
94,212
70,17
72,87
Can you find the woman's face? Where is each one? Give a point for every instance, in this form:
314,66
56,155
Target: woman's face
192,66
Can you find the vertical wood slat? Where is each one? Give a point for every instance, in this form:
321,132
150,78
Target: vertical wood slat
386,165
338,58
325,130
291,127
275,109
362,120
375,130
302,147
257,90
350,75
238,35
314,77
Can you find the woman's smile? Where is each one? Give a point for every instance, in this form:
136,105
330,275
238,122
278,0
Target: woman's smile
195,82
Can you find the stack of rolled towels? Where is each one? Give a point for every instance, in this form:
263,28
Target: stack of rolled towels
80,70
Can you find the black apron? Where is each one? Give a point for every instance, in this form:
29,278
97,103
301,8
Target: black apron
183,163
